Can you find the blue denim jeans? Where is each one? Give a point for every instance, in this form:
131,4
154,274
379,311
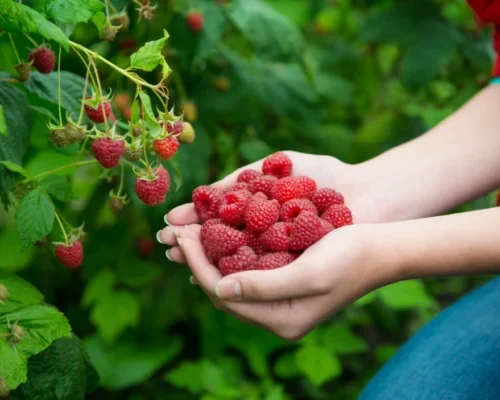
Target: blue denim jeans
455,357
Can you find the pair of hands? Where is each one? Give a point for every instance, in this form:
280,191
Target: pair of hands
292,300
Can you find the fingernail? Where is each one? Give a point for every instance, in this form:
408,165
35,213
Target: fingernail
158,237
166,219
180,242
176,232
167,254
228,289
192,280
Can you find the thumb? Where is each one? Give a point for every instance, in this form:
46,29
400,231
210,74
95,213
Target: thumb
294,280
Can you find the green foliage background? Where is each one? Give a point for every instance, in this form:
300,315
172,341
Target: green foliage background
348,78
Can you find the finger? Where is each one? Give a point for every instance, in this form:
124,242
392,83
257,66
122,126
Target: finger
205,273
182,215
176,255
168,235
298,279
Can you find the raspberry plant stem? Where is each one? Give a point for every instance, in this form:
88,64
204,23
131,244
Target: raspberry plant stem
122,176
84,94
62,168
94,85
62,228
31,40
92,63
14,48
59,85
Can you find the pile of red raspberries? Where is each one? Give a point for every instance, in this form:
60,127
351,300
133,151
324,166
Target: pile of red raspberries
267,219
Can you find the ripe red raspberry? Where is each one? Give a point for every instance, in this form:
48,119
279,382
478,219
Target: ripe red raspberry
307,230
195,21
308,186
44,59
260,215
108,151
263,184
292,208
206,201
96,114
278,165
324,198
145,247
206,226
248,175
244,259
222,241
153,191
286,189
274,260
70,256
253,241
498,199
233,206
327,227
277,237
166,147
338,215
240,186
259,196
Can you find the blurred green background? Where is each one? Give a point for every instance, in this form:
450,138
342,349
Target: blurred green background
348,78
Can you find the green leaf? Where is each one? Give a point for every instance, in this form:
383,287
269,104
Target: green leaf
151,120
21,293
286,367
45,86
317,364
254,149
19,120
99,20
69,11
42,325
114,313
406,294
341,340
271,34
138,273
424,59
276,393
15,259
100,285
149,56
186,376
127,363
366,299
174,162
3,122
34,217
18,18
62,371
13,167
58,186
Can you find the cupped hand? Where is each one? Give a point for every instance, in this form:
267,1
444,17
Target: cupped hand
291,300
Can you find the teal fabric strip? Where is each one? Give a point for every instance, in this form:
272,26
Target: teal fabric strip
495,80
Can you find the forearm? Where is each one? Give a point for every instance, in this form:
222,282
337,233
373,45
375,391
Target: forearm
454,162
457,244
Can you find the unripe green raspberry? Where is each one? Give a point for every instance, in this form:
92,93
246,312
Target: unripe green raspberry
4,293
188,135
4,389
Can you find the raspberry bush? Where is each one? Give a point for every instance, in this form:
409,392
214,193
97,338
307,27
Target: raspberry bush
114,111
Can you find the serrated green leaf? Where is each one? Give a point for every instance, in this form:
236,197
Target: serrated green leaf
100,286
99,20
42,325
45,86
58,186
151,121
341,340
21,293
3,122
271,34
114,313
128,363
19,18
317,364
63,370
406,294
149,56
19,119
34,217
13,167
186,376
69,11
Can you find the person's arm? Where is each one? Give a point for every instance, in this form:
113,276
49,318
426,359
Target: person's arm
456,161
458,244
